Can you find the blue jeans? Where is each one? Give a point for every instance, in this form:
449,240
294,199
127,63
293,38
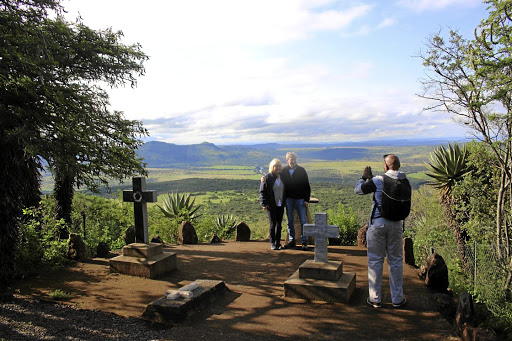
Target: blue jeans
291,205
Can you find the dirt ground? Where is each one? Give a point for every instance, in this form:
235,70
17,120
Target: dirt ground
255,307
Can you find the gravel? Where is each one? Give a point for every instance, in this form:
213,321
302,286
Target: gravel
29,319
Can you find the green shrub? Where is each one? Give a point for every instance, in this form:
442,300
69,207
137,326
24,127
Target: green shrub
105,220
347,222
60,295
37,247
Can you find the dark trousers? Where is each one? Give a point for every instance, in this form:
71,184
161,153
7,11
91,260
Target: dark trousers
275,217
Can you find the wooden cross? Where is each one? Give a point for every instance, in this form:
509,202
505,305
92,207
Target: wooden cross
321,231
140,197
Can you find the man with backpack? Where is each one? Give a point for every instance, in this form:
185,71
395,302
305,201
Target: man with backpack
391,205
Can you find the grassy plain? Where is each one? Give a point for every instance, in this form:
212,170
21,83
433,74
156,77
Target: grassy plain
233,189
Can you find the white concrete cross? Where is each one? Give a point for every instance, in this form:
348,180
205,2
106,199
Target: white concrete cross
321,231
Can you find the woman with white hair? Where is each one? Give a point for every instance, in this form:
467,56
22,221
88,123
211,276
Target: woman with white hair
272,200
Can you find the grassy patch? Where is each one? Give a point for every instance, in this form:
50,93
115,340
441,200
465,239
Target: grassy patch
59,295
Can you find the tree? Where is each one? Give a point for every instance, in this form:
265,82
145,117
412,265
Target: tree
52,108
472,80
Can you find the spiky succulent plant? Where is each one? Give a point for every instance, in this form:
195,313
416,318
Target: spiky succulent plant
447,166
226,225
180,206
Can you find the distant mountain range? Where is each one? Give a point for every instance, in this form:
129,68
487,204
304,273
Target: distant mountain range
168,155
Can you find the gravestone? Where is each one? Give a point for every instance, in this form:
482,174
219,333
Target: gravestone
178,305
321,231
142,258
187,233
321,279
243,233
140,197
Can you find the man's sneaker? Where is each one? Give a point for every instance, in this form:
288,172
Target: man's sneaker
290,244
278,247
305,248
272,247
373,304
401,304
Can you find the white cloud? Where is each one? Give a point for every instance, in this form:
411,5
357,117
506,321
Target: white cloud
434,5
386,23
231,71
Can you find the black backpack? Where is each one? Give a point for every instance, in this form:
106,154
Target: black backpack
396,198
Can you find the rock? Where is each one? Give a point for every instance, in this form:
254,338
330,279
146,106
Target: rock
334,241
215,239
102,249
478,334
445,304
243,232
77,249
187,234
129,235
465,315
361,236
409,252
422,272
437,273
157,239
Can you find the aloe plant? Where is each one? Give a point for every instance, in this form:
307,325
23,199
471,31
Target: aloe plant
226,224
447,166
180,206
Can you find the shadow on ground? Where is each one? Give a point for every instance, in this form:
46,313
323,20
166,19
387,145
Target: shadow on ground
256,305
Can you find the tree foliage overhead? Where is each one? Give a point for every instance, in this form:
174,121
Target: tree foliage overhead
50,69
53,108
472,80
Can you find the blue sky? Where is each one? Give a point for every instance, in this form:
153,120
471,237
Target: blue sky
237,71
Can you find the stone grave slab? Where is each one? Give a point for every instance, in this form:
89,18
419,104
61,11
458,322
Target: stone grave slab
134,261
329,271
321,279
178,305
338,291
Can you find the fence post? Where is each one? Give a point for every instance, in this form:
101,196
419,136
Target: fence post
474,275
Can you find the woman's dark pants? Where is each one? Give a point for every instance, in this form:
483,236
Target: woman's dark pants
275,217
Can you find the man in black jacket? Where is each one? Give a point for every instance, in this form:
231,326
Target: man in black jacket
297,192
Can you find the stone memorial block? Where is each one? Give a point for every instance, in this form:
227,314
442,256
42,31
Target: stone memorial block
129,235
243,233
102,249
187,233
321,279
409,252
157,239
178,305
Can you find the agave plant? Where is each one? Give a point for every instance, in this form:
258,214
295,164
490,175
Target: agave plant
180,206
226,224
447,166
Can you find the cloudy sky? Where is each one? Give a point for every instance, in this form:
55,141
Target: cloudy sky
247,71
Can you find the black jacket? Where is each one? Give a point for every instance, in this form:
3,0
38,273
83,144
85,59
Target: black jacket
267,192
296,186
